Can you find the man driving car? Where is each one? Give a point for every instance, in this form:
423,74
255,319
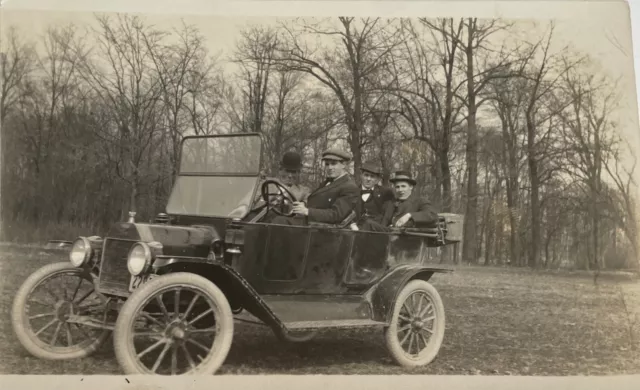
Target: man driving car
289,175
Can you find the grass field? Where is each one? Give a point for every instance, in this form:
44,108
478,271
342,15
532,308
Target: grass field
499,322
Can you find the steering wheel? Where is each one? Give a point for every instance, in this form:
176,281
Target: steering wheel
281,198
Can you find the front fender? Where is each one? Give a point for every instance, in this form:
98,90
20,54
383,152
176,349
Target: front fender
236,289
383,294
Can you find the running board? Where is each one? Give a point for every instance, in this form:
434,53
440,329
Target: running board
333,324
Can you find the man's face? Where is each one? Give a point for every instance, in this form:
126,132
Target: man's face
288,176
403,190
369,179
333,168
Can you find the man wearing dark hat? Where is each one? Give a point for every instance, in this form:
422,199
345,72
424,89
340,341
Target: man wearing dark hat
336,197
373,196
409,208
289,174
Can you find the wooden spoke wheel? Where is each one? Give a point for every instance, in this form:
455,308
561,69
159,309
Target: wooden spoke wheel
417,325
175,324
45,307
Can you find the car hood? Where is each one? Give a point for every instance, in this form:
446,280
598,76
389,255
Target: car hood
176,240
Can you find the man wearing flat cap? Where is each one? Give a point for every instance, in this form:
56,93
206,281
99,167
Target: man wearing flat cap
330,203
336,197
409,208
373,196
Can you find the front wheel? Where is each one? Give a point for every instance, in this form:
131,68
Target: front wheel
181,319
417,325
58,292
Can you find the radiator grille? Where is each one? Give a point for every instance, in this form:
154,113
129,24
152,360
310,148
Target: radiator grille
114,275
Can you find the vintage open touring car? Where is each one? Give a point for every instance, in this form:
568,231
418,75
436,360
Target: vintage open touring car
168,290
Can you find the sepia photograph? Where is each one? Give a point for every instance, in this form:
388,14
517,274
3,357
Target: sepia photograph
235,194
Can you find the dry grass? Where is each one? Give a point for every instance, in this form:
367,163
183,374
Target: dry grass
499,321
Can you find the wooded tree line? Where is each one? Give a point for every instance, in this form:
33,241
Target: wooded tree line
495,124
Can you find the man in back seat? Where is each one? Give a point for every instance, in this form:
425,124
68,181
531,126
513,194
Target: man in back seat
409,208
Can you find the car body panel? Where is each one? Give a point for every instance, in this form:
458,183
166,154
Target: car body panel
279,259
318,308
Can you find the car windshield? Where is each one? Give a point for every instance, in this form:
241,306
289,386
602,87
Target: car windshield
238,154
217,176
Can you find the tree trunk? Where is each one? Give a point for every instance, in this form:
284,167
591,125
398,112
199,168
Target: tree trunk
445,170
469,248
488,241
534,249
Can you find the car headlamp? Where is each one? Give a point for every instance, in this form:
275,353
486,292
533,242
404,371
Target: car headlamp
80,252
139,258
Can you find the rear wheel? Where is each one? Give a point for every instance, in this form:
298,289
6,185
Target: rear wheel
44,309
417,325
175,324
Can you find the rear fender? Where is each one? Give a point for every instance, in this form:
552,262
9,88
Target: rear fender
236,289
383,294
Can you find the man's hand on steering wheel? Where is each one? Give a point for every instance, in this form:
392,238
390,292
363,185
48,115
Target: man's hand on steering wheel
280,199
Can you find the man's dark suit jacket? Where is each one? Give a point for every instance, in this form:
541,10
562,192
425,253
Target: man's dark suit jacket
422,212
373,207
332,203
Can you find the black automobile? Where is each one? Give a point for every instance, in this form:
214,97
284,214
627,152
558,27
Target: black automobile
171,290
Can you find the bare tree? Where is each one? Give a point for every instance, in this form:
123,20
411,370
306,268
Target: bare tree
254,53
360,53
270,95
481,64
127,84
44,103
542,79
589,134
509,104
427,82
176,65
622,202
17,61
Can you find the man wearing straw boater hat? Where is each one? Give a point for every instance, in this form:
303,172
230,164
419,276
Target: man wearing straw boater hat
333,200
409,208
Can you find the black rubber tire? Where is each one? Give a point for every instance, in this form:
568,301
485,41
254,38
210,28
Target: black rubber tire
22,328
123,339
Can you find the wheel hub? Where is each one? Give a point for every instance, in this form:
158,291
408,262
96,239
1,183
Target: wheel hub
177,331
64,309
417,325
